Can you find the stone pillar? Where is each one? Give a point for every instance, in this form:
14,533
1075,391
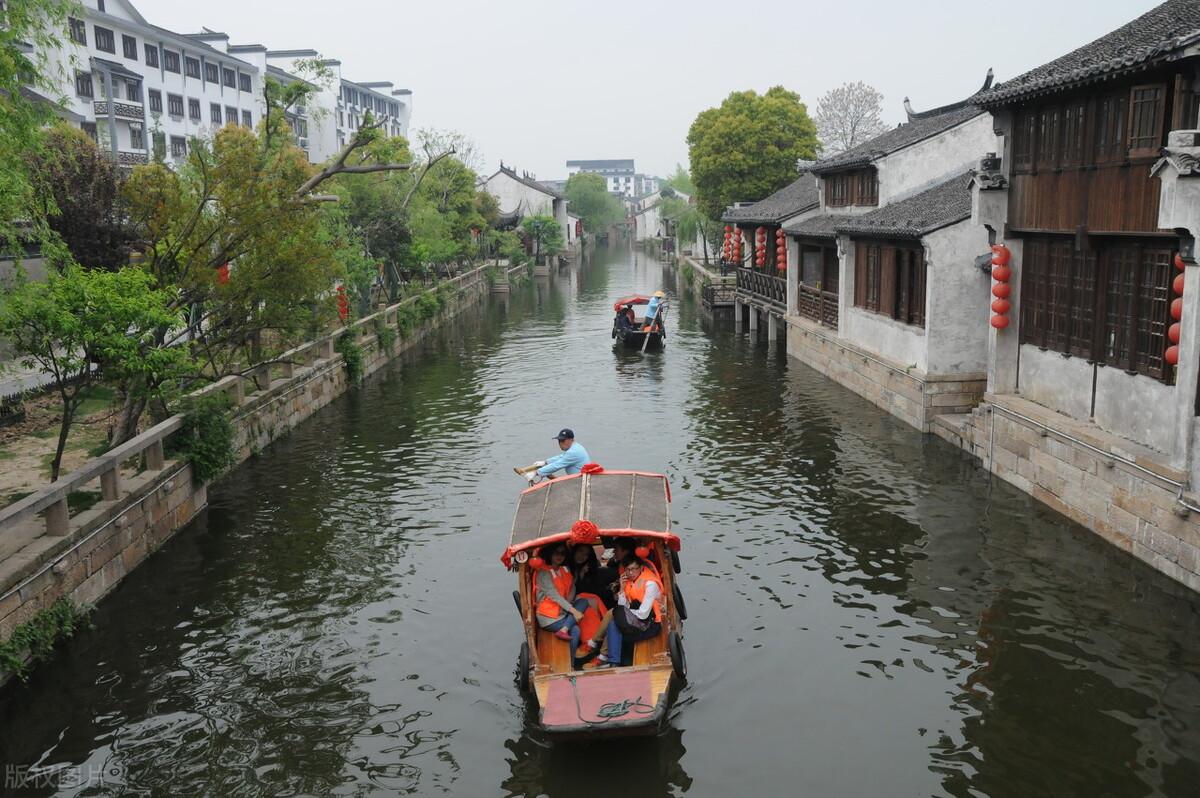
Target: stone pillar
737,314
753,319
845,248
1188,374
110,483
793,275
772,327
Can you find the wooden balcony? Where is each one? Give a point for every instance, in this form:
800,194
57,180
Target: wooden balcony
820,306
718,295
120,110
762,288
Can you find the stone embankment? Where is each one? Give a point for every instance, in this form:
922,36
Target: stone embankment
48,553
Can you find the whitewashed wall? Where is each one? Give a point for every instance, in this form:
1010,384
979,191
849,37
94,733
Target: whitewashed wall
928,162
957,300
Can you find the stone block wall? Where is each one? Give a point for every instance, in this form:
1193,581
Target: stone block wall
911,396
1123,493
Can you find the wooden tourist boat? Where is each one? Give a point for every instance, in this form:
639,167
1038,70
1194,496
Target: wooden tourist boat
642,333
591,701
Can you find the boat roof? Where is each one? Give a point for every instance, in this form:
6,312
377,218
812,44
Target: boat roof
619,503
632,299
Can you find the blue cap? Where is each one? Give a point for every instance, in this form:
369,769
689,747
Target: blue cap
564,434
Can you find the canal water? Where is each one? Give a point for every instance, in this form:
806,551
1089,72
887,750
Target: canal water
869,615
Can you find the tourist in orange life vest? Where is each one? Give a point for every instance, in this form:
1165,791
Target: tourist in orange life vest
639,611
557,608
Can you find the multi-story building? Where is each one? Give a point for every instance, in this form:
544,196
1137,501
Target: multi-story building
138,88
620,174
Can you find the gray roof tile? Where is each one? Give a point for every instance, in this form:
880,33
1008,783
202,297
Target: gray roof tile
923,126
932,209
797,196
823,226
1159,34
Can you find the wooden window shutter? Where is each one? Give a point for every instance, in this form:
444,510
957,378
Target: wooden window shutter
888,293
1147,112
860,274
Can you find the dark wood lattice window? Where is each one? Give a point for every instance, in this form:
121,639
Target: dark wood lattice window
1147,111
866,188
1110,130
889,279
839,190
1049,137
1025,135
1073,123
873,266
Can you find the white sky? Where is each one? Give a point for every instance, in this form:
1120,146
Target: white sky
537,83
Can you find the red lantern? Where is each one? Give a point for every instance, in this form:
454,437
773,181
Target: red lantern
1173,333
343,303
536,563
223,273
1001,306
1177,308
1001,290
1171,355
1001,274
1179,264
1000,255
1177,285
999,322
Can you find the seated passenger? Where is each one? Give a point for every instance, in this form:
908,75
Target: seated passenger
557,608
592,584
622,323
639,611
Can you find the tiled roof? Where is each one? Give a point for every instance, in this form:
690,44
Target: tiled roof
798,196
926,125
542,187
934,208
1159,34
823,226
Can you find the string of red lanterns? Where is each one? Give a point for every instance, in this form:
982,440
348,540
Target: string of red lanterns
780,250
1171,356
727,244
1001,274
760,247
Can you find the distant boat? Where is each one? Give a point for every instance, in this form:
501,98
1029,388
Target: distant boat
644,331
586,701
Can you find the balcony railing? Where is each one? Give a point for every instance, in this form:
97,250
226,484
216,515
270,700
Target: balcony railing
718,295
764,287
122,110
131,158
820,306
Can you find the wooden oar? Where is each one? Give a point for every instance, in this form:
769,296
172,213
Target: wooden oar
523,470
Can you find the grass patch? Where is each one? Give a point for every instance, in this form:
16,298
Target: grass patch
49,432
79,501
13,498
96,399
6,455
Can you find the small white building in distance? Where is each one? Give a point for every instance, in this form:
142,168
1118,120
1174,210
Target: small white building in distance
522,195
619,174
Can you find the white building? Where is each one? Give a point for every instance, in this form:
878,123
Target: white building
136,87
620,174
521,195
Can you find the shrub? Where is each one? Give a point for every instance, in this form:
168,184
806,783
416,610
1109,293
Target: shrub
206,438
352,356
34,639
385,334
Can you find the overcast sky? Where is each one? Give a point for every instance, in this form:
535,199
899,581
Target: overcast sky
537,83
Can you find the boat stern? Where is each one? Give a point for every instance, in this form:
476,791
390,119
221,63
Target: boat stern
610,702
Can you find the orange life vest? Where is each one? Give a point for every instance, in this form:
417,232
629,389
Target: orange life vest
636,591
563,580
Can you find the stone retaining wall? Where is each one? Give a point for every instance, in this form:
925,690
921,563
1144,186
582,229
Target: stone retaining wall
910,395
106,543
1115,488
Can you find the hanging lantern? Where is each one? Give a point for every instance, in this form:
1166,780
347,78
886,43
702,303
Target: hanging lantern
1001,306
1177,308
343,303
1179,264
1001,290
223,273
999,322
1000,255
1001,274
1177,285
1173,333
1171,355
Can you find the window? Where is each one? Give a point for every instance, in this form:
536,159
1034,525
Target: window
890,280
171,61
244,82
1147,108
860,187
178,146
214,113
155,98
231,114
191,67
136,140
1110,129
1024,136
90,129
100,5
839,190
1109,305
1073,123
174,105
1048,138
866,190
104,39
247,120
133,90
78,31
129,46
194,108
212,73
229,78
83,84
151,54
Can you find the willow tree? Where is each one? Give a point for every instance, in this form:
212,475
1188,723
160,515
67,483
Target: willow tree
748,147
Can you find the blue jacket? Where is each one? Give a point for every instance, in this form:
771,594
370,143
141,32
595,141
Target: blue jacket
570,461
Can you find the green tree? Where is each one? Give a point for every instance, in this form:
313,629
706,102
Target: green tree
748,147
79,196
30,30
545,233
689,221
81,325
681,181
589,197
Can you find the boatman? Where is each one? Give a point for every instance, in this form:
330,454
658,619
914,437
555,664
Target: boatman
573,458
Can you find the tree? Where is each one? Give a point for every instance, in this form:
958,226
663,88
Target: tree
849,115
545,233
589,197
748,147
690,222
81,325
78,193
30,30
681,181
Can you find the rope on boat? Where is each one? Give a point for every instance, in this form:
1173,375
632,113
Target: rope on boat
611,710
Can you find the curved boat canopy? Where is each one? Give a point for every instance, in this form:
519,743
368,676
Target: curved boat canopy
634,299
619,503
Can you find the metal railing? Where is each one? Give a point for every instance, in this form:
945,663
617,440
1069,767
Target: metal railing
717,295
820,306
52,499
772,290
